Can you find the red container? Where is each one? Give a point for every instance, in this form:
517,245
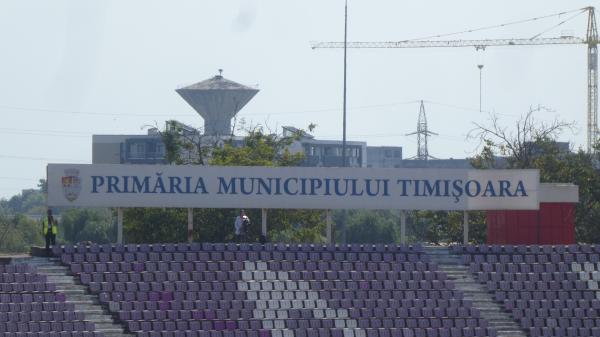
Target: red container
553,223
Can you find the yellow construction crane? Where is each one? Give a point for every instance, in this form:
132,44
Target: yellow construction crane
591,40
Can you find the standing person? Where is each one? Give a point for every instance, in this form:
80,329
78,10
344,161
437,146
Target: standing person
50,229
241,226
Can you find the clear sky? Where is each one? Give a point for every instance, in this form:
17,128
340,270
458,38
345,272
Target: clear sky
70,69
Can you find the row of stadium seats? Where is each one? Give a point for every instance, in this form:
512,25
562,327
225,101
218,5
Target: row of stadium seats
232,247
31,297
244,323
54,334
329,332
26,287
140,267
245,256
439,304
38,316
523,249
541,285
36,306
533,277
547,295
510,267
556,313
130,296
21,278
554,304
542,258
96,287
273,311
333,276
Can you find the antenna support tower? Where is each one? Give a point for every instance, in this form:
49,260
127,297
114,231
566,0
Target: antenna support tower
422,134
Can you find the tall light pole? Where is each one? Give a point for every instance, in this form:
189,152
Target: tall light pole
480,66
343,225
345,67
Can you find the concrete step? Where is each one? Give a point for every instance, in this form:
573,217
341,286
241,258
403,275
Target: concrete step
78,295
69,286
60,279
88,312
482,299
512,333
97,319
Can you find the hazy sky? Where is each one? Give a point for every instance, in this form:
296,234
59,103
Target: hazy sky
70,69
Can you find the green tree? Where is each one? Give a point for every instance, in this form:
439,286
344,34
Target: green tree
87,224
18,233
579,168
371,226
154,225
534,145
260,147
28,202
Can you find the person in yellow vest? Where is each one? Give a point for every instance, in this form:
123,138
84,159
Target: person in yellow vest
50,229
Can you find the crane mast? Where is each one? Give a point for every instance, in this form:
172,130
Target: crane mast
591,40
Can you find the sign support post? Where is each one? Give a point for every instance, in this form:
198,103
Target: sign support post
190,224
119,225
465,227
328,230
263,230
403,227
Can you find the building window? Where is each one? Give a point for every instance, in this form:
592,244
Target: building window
160,150
137,150
397,154
388,153
332,151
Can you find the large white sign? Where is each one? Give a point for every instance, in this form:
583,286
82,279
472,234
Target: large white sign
290,187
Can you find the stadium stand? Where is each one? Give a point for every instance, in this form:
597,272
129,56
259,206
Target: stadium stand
30,306
274,290
306,290
549,290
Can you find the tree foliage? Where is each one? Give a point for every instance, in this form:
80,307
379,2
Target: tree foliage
519,144
18,228
154,225
363,226
260,147
87,224
533,145
18,233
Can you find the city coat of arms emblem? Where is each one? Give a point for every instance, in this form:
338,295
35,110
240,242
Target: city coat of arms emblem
71,184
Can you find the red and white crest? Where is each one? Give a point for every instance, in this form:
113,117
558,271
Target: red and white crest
71,184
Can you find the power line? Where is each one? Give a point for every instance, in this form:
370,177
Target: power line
18,178
37,130
496,26
41,158
112,114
